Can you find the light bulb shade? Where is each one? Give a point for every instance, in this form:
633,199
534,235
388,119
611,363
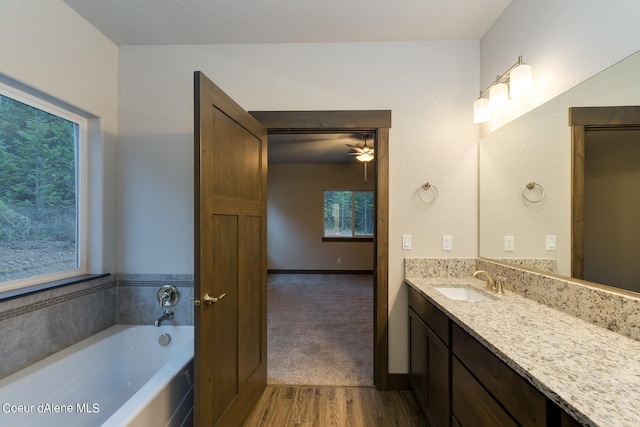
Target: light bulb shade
365,157
498,97
481,112
520,81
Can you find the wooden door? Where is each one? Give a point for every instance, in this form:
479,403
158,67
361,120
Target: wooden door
230,258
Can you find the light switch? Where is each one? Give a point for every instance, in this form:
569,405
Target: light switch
447,243
551,242
406,242
509,243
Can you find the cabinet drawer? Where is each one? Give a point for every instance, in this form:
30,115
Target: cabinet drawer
472,405
523,401
431,315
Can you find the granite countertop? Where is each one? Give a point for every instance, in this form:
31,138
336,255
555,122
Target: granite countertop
590,372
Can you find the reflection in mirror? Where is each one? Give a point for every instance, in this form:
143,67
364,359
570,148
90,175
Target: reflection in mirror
537,148
606,176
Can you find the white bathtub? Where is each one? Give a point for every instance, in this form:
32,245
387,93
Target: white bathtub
119,377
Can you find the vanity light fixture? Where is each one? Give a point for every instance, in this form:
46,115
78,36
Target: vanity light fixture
515,83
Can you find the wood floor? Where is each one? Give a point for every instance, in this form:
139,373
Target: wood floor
308,406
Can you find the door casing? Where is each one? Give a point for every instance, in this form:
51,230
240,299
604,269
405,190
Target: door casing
377,122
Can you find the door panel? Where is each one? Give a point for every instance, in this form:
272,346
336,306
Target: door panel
230,171
238,176
220,277
250,300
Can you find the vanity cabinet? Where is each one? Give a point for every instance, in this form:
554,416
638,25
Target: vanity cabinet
458,382
429,359
485,388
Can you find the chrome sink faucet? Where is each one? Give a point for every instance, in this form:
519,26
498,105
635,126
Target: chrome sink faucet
167,315
492,285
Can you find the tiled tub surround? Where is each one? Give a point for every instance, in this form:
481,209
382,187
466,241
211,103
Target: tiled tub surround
591,372
138,301
37,325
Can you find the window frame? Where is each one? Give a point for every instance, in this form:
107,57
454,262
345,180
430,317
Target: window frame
82,184
353,237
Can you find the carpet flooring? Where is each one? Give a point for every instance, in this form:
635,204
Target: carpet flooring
320,329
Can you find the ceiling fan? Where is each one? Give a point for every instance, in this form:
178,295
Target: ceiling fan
363,154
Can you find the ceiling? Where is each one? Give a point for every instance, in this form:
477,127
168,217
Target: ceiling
314,147
162,22
165,22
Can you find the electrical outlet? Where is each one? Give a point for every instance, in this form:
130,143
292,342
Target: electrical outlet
509,243
447,243
406,242
339,261
551,242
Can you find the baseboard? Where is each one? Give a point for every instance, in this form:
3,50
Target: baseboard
398,382
276,271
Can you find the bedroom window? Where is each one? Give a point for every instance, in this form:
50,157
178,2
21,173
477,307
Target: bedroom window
348,214
41,211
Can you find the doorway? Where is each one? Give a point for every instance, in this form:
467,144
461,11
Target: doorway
377,122
605,177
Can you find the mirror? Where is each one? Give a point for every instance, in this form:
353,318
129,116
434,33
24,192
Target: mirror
532,155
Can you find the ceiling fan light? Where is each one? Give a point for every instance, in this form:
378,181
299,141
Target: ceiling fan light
365,157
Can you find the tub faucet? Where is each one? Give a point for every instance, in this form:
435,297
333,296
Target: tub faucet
167,315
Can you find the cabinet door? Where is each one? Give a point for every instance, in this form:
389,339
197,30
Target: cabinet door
522,400
473,406
567,420
418,358
429,372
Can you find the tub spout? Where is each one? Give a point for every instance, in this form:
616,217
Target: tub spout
167,315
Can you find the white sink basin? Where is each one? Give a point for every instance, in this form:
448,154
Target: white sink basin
463,294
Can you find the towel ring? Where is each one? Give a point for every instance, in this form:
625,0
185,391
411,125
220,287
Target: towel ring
424,191
530,187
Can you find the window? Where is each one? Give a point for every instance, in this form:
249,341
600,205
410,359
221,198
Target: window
348,214
40,197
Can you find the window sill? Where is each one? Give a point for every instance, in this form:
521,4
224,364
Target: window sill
20,292
347,239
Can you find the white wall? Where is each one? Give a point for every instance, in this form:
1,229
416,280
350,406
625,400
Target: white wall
295,217
51,50
565,42
428,86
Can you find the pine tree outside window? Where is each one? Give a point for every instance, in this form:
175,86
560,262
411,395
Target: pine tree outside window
40,191
348,214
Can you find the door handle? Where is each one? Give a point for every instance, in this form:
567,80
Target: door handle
208,300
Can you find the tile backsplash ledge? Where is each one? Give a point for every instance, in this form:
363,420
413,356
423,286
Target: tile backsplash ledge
617,312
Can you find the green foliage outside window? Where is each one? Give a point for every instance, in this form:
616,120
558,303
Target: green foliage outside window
38,203
348,214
